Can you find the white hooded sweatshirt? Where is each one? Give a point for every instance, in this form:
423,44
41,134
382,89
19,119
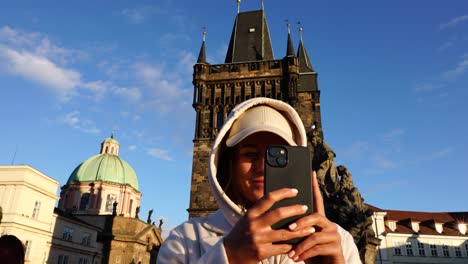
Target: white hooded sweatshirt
200,240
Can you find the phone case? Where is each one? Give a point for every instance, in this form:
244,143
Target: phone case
296,173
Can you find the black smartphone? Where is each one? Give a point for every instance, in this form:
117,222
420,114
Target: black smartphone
289,167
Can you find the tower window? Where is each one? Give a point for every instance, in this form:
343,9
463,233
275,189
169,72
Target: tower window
251,30
219,119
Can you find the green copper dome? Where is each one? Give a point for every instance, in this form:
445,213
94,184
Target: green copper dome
105,168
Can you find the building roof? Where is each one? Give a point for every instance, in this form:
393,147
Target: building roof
427,221
105,168
250,38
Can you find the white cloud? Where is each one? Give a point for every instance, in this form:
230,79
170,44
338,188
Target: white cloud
427,87
459,70
163,86
159,154
453,22
394,133
441,153
356,150
139,15
384,163
131,94
34,57
446,45
40,69
132,148
186,61
74,120
135,15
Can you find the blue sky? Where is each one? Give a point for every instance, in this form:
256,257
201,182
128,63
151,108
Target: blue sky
393,77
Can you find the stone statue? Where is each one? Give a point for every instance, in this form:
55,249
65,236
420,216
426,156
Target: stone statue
137,211
114,208
344,204
323,162
160,223
149,216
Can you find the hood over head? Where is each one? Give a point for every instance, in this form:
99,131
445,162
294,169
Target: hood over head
258,118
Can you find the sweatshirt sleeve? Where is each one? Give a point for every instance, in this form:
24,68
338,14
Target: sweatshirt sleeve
350,251
177,248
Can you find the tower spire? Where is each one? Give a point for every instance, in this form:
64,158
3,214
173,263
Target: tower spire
290,47
300,30
202,54
238,6
304,62
263,6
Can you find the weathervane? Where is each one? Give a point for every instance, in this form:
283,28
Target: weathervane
204,33
289,25
300,29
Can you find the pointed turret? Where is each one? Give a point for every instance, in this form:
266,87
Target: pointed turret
290,46
250,38
307,75
202,54
304,61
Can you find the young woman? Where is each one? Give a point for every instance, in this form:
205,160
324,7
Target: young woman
240,231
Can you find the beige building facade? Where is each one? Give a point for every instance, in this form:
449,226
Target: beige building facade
421,237
27,198
96,220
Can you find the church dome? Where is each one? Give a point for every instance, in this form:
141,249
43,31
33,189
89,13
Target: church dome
105,167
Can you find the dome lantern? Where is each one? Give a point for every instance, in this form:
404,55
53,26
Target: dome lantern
110,146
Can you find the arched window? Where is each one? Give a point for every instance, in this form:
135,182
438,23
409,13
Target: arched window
111,198
107,149
130,206
84,201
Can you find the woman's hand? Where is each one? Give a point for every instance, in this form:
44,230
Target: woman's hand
251,239
323,246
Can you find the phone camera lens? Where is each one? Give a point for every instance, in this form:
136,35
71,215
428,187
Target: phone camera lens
281,161
275,151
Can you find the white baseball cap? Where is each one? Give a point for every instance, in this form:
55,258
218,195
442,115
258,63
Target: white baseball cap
260,118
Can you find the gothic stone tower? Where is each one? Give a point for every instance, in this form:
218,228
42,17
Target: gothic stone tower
250,70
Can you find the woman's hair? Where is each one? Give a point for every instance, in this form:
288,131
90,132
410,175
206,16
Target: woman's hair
224,173
227,157
11,250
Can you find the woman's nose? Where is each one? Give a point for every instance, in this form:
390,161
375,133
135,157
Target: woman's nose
260,163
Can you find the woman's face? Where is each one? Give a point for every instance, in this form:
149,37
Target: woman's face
248,174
